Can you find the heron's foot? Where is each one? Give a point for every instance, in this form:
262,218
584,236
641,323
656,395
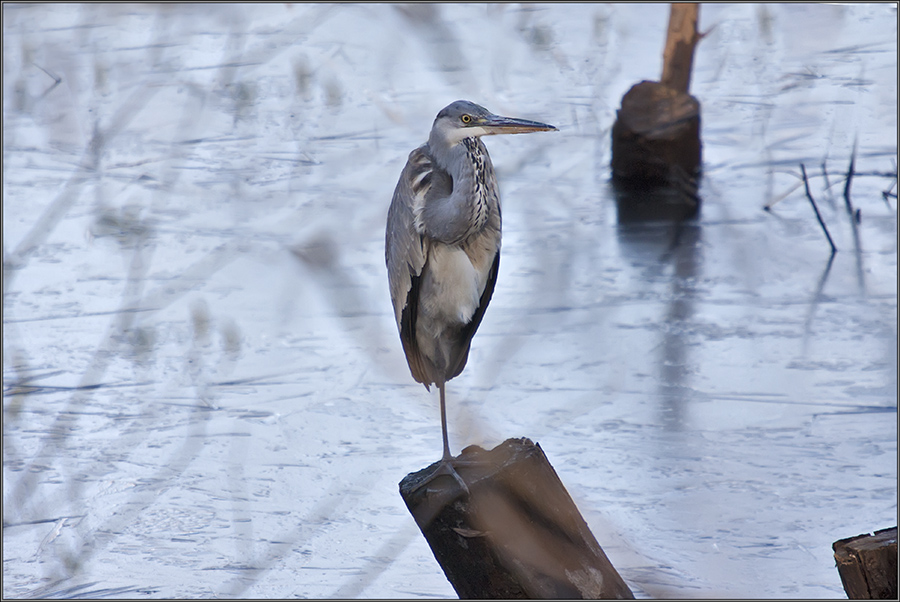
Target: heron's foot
444,468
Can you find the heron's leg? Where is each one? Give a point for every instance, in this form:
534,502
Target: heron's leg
446,457
446,464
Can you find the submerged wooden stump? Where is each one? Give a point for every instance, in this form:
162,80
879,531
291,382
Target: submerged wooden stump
516,534
868,565
656,134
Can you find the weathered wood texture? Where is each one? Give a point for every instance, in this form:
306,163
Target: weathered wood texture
868,565
656,135
516,534
682,38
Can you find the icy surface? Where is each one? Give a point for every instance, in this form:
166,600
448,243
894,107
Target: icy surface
204,390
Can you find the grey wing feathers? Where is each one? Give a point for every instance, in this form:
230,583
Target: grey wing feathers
404,245
406,253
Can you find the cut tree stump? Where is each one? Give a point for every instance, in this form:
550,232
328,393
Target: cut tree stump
516,534
867,565
657,131
656,135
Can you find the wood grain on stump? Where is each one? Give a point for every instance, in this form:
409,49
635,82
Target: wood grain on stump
657,130
516,534
868,565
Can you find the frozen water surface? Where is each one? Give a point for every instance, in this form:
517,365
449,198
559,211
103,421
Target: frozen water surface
205,393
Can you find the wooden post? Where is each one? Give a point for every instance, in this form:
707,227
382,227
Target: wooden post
682,38
516,534
656,133
656,136
867,565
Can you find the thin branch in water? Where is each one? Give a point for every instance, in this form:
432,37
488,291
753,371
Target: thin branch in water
829,183
768,206
887,194
850,179
56,81
816,209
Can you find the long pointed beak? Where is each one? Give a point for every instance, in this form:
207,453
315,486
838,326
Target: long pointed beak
495,124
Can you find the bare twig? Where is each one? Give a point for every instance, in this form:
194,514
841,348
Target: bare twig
816,209
825,175
56,81
828,184
768,206
887,194
850,179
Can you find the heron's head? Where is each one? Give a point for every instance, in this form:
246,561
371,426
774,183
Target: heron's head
464,119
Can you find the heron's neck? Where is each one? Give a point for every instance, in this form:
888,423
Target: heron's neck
468,208
480,167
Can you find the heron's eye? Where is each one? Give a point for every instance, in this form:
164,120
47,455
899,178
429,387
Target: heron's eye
466,119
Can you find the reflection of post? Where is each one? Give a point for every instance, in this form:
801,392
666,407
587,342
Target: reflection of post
674,364
517,534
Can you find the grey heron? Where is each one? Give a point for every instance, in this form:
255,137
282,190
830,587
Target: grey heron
442,246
